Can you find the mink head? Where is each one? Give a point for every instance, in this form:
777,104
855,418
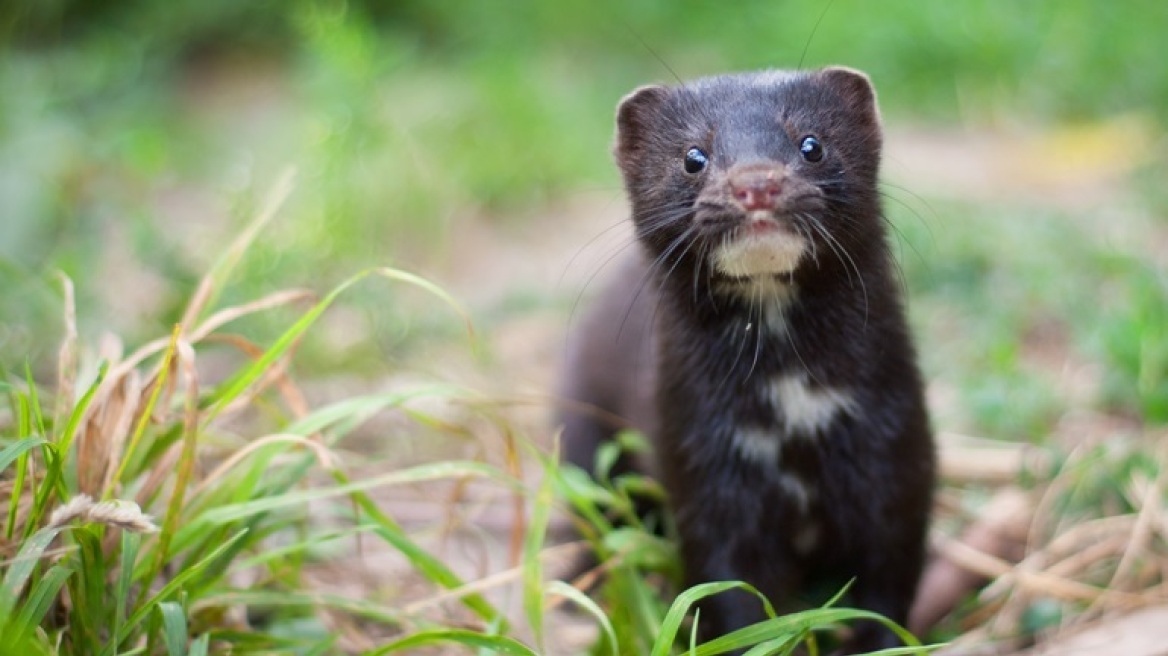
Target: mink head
768,175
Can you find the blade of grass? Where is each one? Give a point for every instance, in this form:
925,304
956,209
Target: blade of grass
686,600
590,606
34,402
418,473
243,379
532,565
499,644
772,647
20,569
65,439
22,465
200,646
228,315
67,355
148,412
310,542
174,628
40,599
441,294
212,282
294,599
53,481
131,542
909,650
165,592
429,566
87,590
186,462
799,623
343,416
18,449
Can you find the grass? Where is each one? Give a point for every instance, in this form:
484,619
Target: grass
133,516
136,143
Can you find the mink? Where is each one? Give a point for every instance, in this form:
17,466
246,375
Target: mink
756,334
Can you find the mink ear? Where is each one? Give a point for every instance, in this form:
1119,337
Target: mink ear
636,115
855,89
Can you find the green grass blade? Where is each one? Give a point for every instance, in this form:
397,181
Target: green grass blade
36,605
429,566
294,599
34,402
17,493
497,644
345,415
131,542
87,590
21,568
386,528
686,600
798,624
200,646
772,647
909,651
185,469
532,564
212,282
23,415
308,543
236,385
422,283
52,482
64,439
148,411
171,587
590,606
174,628
17,449
419,473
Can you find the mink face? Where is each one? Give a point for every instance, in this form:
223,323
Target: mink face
767,355
744,179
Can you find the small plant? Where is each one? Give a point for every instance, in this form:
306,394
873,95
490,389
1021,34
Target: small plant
1134,339
135,524
140,553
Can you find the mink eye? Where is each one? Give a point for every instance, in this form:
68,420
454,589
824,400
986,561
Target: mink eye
695,160
811,149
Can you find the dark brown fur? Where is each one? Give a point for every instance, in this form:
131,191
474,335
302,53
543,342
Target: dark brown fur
784,404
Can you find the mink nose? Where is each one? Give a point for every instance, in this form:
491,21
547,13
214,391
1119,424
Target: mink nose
756,189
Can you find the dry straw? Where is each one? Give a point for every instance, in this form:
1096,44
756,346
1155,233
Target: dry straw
125,515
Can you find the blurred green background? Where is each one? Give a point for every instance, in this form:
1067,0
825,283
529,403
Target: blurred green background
137,137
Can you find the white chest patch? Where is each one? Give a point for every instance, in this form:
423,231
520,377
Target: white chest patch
805,410
766,254
757,445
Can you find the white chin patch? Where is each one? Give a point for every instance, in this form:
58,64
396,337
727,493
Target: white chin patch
765,254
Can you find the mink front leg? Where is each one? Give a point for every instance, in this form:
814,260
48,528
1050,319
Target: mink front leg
886,583
726,537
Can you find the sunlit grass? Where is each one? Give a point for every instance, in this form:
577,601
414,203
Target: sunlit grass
148,148
130,522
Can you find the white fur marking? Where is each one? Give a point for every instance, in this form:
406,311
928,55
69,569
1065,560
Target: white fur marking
766,254
757,445
798,490
805,410
773,312
767,295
